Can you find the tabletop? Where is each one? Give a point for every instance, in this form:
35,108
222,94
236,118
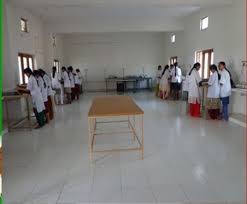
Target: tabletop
114,106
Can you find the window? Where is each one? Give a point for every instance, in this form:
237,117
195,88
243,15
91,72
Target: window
173,60
204,23
24,25
56,64
206,58
54,41
24,61
173,38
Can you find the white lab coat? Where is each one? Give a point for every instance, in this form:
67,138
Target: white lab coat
178,77
193,87
66,79
37,98
72,79
158,76
56,81
79,79
225,84
214,86
43,89
48,84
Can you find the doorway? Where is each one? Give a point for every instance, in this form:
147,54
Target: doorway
206,58
24,61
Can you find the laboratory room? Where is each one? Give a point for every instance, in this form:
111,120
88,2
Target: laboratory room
129,101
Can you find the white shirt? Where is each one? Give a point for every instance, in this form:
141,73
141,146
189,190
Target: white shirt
43,88
72,80
214,86
158,76
37,98
78,78
66,80
225,84
178,77
48,84
56,81
193,87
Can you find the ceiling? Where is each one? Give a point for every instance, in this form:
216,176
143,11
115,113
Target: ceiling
116,14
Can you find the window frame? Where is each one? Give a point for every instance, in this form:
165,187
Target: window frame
173,38
28,56
26,30
201,23
173,60
200,57
56,63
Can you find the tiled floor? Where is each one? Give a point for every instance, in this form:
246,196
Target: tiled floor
186,160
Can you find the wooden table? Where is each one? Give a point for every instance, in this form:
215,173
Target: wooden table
15,125
115,107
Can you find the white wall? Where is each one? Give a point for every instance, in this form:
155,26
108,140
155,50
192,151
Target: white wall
106,54
52,52
16,41
175,49
225,35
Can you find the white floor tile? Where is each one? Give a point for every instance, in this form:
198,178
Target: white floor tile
186,160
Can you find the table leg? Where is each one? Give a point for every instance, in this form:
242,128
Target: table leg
134,126
7,115
28,113
142,138
90,139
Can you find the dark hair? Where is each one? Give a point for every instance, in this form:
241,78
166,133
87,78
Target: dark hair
42,72
70,68
222,63
175,65
37,73
166,67
28,71
159,67
194,67
64,68
77,70
54,70
214,67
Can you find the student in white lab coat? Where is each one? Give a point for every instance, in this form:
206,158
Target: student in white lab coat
37,99
164,83
72,81
48,83
44,91
158,77
213,95
56,84
194,99
225,89
176,75
80,78
66,84
78,82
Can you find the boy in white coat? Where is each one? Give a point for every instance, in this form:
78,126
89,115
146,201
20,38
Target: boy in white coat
225,89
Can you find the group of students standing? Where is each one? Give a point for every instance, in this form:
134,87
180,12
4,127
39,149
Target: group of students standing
42,88
39,86
168,81
219,87
67,82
